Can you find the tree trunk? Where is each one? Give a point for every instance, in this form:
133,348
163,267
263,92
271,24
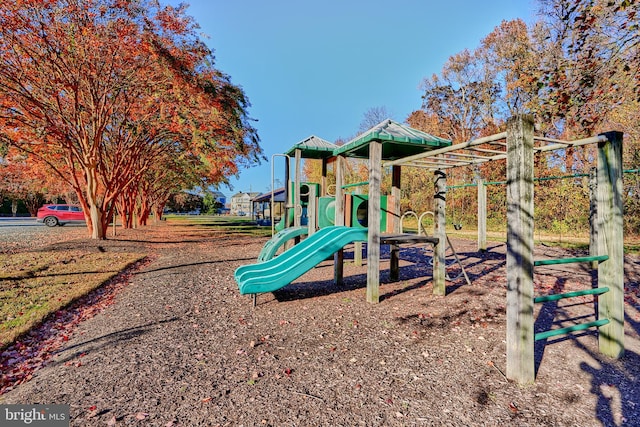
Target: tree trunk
98,231
143,212
96,215
33,202
157,213
125,207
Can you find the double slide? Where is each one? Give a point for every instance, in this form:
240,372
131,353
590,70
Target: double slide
277,272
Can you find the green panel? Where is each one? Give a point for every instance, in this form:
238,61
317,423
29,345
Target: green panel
304,191
280,226
326,211
304,202
359,211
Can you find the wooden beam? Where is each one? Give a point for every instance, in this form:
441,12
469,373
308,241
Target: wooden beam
440,232
593,215
393,208
357,246
339,172
323,180
611,243
393,221
373,241
520,321
297,207
433,153
338,258
287,192
312,210
482,216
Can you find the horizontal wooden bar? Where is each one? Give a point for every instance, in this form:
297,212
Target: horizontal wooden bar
567,144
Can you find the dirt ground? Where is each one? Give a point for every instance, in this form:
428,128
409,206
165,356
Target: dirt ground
175,344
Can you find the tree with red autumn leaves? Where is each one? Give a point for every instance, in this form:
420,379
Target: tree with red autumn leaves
24,178
104,91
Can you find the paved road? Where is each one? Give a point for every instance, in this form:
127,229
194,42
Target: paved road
18,222
17,233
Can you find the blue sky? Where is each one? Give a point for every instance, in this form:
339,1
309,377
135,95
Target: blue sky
315,67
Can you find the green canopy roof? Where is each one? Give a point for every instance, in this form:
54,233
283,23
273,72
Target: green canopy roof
313,148
397,140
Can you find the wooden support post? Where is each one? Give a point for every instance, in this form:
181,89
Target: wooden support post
357,246
312,210
323,180
373,221
439,231
339,172
610,242
393,208
393,221
297,207
338,257
287,192
357,254
394,262
593,215
520,321
482,216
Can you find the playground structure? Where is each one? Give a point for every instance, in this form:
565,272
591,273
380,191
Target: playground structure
390,144
310,207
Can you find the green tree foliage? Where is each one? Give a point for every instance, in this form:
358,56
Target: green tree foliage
210,205
185,202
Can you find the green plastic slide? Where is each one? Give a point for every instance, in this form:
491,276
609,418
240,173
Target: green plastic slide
280,238
278,272
280,226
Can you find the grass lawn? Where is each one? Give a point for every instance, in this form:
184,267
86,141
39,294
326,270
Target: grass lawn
238,224
36,284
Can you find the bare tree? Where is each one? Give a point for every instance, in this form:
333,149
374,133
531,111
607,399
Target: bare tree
372,117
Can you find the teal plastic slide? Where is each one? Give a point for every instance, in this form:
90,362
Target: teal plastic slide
280,238
278,272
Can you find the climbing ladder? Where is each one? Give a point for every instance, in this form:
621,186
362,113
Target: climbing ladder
555,297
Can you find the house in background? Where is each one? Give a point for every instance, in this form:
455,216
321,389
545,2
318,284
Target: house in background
219,197
241,203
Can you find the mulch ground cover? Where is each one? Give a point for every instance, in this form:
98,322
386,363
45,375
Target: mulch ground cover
173,343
